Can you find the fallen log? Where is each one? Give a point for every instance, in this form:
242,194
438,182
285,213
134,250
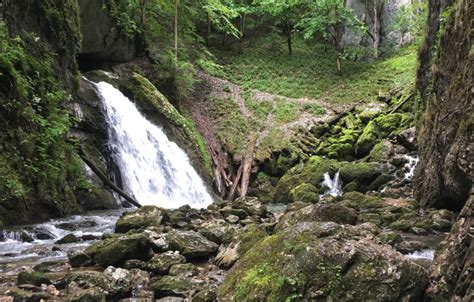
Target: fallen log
235,183
331,122
104,177
402,103
247,166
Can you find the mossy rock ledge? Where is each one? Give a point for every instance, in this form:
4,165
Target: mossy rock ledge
306,262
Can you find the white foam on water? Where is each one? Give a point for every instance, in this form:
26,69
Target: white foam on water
153,169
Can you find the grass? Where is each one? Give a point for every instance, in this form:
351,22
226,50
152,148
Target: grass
310,72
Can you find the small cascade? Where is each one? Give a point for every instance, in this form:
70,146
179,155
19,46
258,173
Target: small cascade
153,169
410,166
334,185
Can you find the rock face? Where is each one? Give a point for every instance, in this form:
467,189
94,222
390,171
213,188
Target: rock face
102,38
446,84
305,262
451,275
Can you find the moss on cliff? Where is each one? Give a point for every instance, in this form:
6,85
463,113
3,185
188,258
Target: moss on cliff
38,170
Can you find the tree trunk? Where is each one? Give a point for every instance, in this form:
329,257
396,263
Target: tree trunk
176,28
288,37
142,12
377,27
208,32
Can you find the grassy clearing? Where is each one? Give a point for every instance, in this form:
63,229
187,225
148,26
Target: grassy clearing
310,72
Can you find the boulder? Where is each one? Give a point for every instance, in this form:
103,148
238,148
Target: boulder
144,217
122,281
86,280
117,249
35,278
191,244
227,255
305,192
80,259
161,263
69,238
451,273
311,265
184,270
172,286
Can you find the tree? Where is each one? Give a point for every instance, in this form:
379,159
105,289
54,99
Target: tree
286,12
331,18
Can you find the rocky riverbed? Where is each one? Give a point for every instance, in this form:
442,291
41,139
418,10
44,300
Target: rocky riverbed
232,251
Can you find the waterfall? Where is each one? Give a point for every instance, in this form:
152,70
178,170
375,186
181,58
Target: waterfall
153,169
334,185
410,166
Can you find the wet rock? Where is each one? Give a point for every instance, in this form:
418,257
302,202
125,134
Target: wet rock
250,205
135,263
122,281
161,263
390,237
342,265
72,226
410,246
89,295
43,234
85,280
117,249
228,210
69,238
191,244
232,218
159,241
305,192
27,296
219,234
51,266
184,270
179,219
451,273
146,216
358,200
35,278
227,255
79,259
206,295
172,286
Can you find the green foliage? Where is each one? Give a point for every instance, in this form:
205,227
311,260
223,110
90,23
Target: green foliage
310,72
411,19
36,162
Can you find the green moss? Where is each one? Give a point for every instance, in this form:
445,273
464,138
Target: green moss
361,201
35,278
305,192
38,169
310,172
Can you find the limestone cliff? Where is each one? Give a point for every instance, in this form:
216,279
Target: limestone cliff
446,85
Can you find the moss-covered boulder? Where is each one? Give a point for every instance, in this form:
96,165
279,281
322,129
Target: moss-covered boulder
379,128
144,217
35,278
358,200
310,172
362,173
191,244
117,249
161,263
302,264
305,192
174,286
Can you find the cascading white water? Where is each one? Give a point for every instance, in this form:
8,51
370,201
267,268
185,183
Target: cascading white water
410,166
334,185
153,169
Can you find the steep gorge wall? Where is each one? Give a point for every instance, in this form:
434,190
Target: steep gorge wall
446,85
444,174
